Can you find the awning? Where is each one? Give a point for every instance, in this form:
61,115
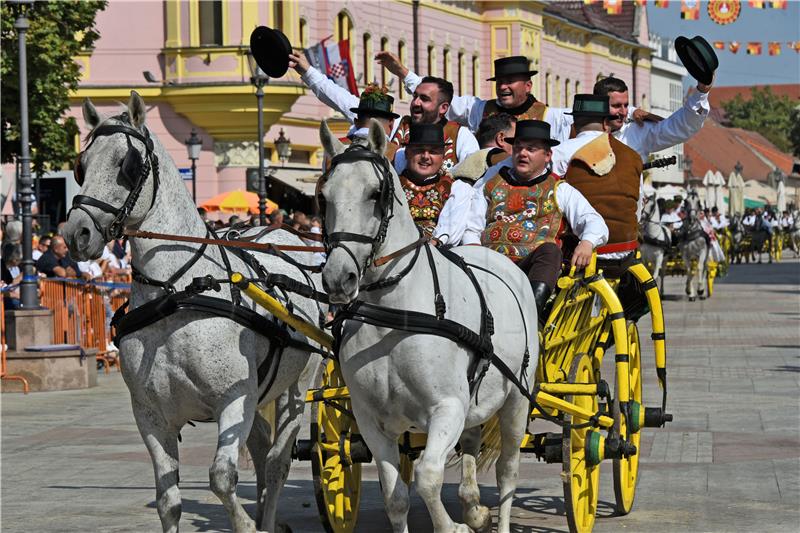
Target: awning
303,180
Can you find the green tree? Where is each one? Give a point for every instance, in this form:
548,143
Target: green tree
58,32
765,113
794,135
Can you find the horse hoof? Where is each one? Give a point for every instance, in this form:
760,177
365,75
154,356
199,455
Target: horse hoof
692,298
702,297
479,518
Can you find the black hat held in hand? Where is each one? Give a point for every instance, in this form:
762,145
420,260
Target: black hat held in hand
271,49
698,57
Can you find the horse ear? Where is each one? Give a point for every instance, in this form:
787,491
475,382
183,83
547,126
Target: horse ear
377,137
90,114
332,145
136,109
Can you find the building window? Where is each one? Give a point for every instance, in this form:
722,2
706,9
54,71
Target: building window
447,70
476,76
557,95
277,14
344,31
210,21
431,60
303,33
577,87
567,99
462,73
644,102
401,54
384,72
675,96
548,89
367,68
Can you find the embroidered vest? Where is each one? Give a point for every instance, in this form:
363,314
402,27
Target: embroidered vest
425,202
450,139
615,194
520,218
532,110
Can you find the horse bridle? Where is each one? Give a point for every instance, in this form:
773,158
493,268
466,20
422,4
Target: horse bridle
353,154
133,173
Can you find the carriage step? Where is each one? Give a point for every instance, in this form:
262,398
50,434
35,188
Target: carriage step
655,417
546,446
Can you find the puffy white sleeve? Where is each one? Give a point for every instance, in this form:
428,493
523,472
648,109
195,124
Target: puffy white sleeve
560,122
455,215
476,220
466,144
584,220
411,81
330,94
677,128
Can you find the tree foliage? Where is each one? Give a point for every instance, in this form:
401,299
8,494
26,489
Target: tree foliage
58,32
765,113
794,135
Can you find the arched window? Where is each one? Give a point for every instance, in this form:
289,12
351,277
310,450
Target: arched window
644,102
384,72
577,87
476,76
367,67
210,22
277,14
557,95
344,30
567,99
432,60
548,90
302,33
447,70
462,73
401,54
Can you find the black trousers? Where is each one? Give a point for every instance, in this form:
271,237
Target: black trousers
543,264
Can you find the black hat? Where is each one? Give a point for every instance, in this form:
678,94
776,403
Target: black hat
533,130
508,66
426,134
271,50
589,105
698,57
374,103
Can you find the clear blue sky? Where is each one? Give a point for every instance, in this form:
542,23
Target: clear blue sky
760,25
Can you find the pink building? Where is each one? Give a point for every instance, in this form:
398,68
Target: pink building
189,63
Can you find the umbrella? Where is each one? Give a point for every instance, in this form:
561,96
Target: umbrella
781,202
709,184
736,194
721,193
236,202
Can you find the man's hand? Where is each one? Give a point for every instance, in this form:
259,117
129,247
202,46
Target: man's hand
640,116
299,63
392,63
703,88
582,254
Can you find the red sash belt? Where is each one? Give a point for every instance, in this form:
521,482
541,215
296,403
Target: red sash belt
618,247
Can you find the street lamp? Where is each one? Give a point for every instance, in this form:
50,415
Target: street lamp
738,167
193,145
259,78
29,289
284,147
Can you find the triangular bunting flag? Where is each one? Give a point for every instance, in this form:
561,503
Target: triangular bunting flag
753,49
690,9
719,45
612,7
662,3
733,46
778,4
774,48
757,4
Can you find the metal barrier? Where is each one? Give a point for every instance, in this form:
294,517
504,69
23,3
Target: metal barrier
82,311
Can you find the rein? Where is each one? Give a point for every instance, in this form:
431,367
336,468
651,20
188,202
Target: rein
263,247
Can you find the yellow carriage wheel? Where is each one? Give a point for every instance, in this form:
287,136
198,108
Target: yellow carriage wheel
580,476
337,482
626,470
406,469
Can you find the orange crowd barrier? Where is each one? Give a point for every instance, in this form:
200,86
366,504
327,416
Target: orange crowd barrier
81,312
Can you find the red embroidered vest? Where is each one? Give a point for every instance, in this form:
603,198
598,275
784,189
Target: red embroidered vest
520,218
450,139
425,202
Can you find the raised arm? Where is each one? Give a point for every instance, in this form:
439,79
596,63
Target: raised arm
326,90
679,127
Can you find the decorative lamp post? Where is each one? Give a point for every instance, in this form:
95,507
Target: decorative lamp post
193,145
29,289
738,168
259,78
284,147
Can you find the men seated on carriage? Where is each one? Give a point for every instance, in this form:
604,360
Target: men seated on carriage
523,211
787,221
718,221
492,135
671,218
429,106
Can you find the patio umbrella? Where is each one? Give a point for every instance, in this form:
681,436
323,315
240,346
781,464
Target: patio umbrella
721,192
236,202
781,202
735,194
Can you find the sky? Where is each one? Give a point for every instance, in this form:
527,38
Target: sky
760,25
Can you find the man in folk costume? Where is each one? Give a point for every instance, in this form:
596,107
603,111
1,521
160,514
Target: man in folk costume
374,102
523,211
492,136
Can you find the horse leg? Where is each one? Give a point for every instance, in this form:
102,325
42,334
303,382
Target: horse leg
513,421
387,458
444,429
258,444
162,444
235,421
289,414
475,515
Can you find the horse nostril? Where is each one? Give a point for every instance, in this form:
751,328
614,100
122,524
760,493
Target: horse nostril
83,238
352,279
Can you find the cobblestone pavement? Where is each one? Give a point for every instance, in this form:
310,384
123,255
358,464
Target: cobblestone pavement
74,461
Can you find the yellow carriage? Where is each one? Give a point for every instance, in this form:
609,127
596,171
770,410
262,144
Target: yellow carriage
599,422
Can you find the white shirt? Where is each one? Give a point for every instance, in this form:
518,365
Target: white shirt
722,223
787,222
36,254
467,218
468,111
672,218
749,220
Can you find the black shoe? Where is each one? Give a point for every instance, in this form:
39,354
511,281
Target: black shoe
541,293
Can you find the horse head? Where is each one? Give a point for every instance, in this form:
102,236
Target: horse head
115,171
359,198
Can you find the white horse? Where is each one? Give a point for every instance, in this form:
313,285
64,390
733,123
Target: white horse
694,247
657,239
400,380
793,234
192,364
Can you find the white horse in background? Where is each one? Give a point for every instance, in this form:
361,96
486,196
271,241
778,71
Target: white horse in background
190,365
657,238
793,234
694,246
401,381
